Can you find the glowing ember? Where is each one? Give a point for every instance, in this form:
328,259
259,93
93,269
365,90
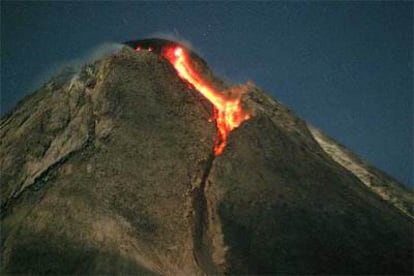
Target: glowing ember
228,110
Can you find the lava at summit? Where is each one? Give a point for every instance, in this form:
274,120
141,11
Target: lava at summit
228,111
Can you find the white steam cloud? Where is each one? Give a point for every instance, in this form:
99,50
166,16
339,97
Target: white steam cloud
75,65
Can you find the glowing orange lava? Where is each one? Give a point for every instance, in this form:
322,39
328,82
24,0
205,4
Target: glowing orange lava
228,111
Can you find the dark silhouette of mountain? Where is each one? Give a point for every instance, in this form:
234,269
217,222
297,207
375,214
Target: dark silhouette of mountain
112,170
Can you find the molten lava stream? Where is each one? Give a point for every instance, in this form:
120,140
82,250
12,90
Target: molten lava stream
228,111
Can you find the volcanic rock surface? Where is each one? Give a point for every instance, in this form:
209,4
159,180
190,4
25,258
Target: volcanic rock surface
112,171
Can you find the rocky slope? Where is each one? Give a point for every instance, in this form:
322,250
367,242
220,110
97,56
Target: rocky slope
111,170
379,182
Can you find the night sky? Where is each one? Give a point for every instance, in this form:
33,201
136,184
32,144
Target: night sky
345,67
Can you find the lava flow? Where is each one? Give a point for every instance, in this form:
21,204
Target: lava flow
228,110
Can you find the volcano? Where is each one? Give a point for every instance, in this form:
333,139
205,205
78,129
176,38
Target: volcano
145,162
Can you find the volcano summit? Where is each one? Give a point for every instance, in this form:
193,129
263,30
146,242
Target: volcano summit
144,162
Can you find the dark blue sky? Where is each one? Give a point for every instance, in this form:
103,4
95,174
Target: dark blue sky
346,67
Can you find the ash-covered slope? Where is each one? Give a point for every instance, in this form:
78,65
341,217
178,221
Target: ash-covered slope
112,171
379,182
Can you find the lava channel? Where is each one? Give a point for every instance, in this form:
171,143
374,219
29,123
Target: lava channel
228,111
